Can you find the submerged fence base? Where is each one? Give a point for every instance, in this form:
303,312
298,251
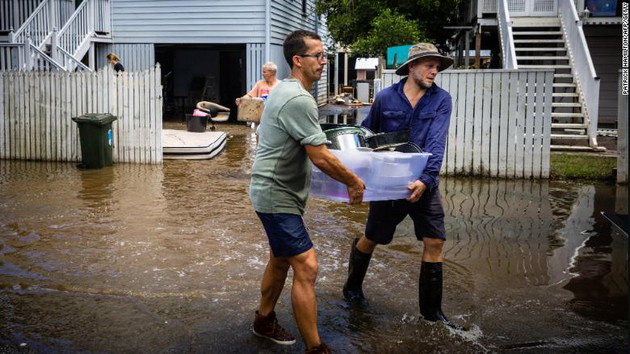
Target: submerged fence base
36,110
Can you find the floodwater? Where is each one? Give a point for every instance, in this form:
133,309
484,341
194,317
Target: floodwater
169,259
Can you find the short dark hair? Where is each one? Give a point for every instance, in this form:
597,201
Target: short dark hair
295,44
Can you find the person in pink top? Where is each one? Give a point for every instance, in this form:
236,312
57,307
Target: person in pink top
263,87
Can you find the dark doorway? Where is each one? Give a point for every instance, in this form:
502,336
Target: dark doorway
193,73
232,66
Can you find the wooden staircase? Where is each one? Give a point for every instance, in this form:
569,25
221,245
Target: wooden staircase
539,44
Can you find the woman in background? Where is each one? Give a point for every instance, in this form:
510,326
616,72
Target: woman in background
263,87
113,59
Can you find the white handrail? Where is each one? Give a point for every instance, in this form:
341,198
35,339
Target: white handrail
584,70
505,33
36,25
13,13
43,60
76,29
68,58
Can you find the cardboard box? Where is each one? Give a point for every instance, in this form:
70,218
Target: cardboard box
250,110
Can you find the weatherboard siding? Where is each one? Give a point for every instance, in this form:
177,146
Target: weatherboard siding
188,21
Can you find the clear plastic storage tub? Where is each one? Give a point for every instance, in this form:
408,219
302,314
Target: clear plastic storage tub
386,174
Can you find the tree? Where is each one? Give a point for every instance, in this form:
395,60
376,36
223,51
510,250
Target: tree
388,29
368,27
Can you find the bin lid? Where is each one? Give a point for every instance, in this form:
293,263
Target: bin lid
95,118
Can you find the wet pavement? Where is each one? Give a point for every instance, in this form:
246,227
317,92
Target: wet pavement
169,258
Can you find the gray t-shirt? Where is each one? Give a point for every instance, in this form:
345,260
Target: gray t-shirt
281,175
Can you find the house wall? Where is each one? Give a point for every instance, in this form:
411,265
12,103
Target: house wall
604,43
322,84
287,16
188,21
255,58
133,56
138,24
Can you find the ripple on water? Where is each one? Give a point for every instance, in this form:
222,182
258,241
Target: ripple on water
176,251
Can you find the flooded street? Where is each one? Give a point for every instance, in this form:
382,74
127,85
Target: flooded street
137,258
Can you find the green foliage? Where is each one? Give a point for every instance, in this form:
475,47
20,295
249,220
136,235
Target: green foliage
388,29
370,26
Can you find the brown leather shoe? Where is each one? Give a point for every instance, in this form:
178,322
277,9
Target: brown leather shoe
268,327
322,348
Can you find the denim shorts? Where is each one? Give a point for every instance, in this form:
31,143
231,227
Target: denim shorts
287,234
427,215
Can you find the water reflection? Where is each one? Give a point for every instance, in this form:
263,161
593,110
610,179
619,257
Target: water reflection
502,225
169,258
519,233
96,190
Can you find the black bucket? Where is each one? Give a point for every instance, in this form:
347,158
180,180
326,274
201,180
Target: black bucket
196,124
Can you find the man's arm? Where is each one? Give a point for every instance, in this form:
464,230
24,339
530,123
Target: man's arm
330,165
436,143
373,120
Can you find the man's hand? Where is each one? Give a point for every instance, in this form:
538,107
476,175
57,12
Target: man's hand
416,188
355,191
330,165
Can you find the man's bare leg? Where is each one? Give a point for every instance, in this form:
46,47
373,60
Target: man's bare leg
432,251
365,245
272,283
303,296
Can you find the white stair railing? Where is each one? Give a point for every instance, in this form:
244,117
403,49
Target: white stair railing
70,63
583,69
38,60
13,13
78,28
37,26
505,33
49,14
73,40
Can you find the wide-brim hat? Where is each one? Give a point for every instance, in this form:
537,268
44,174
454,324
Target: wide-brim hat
424,50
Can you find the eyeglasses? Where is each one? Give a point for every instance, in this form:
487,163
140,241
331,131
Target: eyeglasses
319,56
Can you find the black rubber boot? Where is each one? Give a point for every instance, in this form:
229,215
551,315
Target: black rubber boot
431,294
357,267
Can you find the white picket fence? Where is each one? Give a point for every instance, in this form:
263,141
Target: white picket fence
36,110
500,124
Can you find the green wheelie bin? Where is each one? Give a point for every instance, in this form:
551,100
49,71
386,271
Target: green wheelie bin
95,132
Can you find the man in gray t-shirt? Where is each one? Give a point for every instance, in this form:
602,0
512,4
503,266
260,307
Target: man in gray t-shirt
290,136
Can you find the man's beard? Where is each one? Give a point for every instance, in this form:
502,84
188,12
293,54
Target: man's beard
421,83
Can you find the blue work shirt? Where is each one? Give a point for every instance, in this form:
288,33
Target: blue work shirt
428,123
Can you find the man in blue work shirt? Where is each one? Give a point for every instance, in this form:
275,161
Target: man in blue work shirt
417,104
